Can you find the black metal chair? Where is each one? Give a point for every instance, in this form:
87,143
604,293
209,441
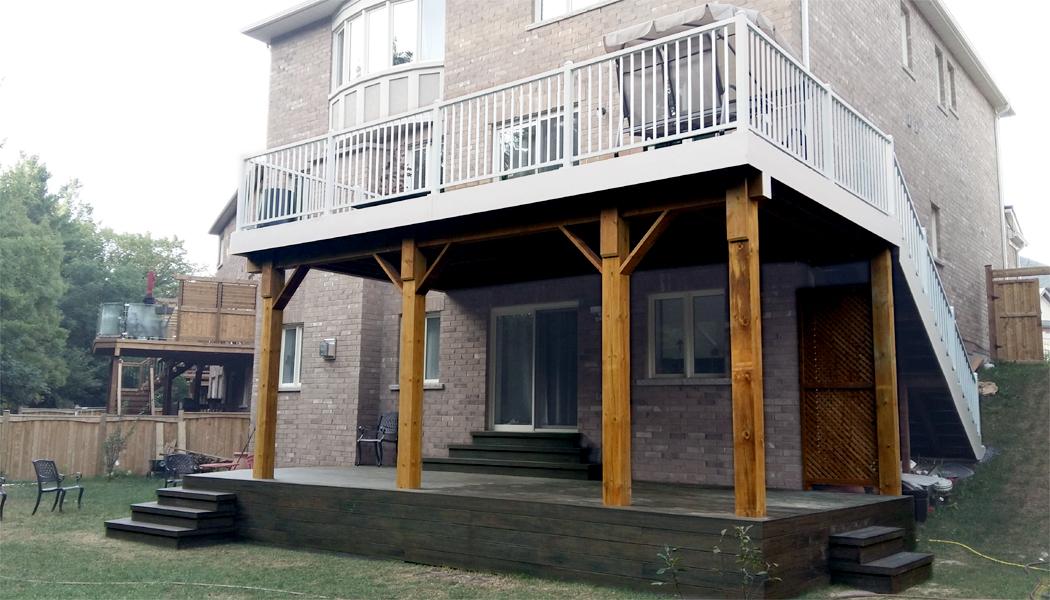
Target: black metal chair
177,465
386,432
3,496
47,473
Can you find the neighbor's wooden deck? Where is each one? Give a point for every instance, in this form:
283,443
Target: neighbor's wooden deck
546,527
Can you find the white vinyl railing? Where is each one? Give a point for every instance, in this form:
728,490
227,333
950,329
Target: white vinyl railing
686,86
916,249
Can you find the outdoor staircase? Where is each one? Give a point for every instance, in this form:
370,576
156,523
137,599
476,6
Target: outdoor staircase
178,519
555,455
873,559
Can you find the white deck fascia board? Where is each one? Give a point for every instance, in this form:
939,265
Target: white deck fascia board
687,159
788,170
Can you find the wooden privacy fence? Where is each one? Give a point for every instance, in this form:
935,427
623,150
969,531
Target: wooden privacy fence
1015,331
75,442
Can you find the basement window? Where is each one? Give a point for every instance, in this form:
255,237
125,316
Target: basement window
291,358
688,334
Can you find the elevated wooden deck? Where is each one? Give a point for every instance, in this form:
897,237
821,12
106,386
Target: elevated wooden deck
550,528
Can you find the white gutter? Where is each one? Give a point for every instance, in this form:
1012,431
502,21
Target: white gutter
936,13
291,19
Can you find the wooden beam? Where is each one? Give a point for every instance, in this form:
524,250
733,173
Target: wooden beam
269,373
655,231
391,271
682,205
288,289
410,402
293,259
616,361
745,332
993,322
582,246
252,266
430,277
505,232
887,418
1020,272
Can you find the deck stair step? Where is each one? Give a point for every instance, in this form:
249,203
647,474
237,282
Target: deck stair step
873,559
555,455
179,518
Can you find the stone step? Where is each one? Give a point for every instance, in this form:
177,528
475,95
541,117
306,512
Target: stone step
543,439
889,575
200,499
517,453
179,516
512,467
866,545
168,536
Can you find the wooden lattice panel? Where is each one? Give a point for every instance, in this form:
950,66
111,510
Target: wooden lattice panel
837,372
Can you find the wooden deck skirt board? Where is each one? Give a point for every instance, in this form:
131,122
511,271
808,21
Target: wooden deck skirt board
548,527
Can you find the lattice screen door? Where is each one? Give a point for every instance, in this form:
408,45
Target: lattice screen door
837,372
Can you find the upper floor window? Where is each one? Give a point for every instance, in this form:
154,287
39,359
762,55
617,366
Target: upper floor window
386,35
905,36
549,9
687,334
945,80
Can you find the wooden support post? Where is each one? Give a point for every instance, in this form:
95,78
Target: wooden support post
114,382
993,334
887,423
168,368
269,373
410,405
198,384
616,361
120,385
745,332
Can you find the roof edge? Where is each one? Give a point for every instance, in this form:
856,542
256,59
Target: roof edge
948,29
291,19
228,212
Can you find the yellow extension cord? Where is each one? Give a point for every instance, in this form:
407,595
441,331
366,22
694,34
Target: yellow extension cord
1002,562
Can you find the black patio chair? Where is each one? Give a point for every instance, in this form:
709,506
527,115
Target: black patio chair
47,474
3,496
177,465
386,433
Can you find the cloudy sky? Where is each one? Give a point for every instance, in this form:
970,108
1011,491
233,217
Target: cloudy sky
152,105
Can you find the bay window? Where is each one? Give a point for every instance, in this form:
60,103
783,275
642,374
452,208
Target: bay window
386,35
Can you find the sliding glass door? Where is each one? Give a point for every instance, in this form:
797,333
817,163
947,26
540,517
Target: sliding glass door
534,368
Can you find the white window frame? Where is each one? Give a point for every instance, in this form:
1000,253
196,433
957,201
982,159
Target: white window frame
427,332
951,85
906,53
939,56
687,326
573,7
296,383
513,310
343,25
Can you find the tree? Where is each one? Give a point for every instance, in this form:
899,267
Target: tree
31,336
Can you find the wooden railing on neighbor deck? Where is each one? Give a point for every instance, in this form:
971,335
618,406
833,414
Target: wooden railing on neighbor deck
74,442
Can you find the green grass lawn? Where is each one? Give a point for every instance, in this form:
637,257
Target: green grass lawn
1003,510
66,555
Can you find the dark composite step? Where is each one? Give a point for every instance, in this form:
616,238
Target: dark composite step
179,516
873,559
889,575
513,467
867,544
168,536
543,439
518,453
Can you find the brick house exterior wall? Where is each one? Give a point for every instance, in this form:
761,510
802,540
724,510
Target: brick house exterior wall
681,431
